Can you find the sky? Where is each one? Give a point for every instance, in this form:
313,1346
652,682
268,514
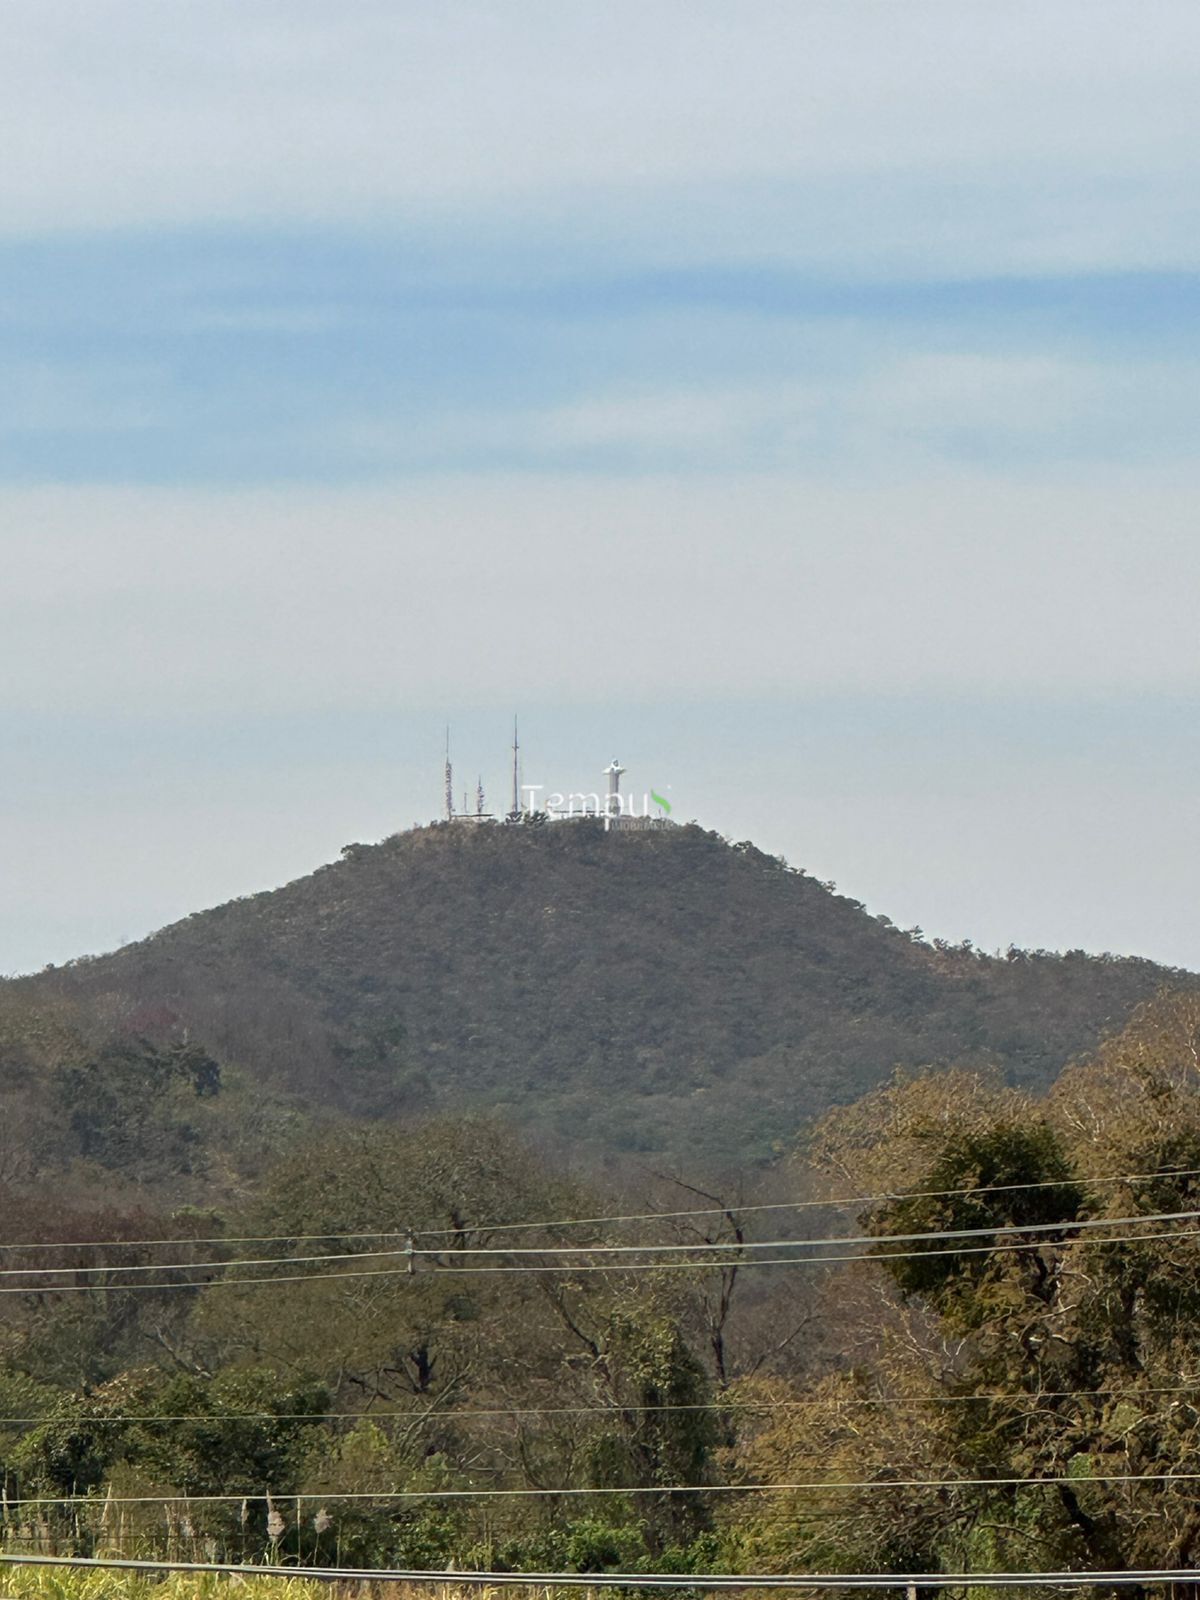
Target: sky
796,398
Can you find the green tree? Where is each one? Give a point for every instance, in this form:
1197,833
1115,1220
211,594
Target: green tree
127,1105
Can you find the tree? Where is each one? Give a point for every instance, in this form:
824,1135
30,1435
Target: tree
127,1105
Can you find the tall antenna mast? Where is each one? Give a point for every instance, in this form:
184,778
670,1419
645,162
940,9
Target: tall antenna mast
516,784
479,797
449,780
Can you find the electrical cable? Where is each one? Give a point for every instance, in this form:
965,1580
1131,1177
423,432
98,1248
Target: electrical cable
759,1407
1004,1230
888,1197
442,1271
806,1486
708,1581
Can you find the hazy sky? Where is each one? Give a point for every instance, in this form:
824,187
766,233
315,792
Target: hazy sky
796,399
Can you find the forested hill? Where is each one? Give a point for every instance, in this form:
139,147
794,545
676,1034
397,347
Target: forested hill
660,992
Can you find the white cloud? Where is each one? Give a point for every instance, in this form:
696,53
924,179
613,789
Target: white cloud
866,413
176,602
522,139
123,112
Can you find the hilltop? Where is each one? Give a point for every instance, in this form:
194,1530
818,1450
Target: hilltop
666,994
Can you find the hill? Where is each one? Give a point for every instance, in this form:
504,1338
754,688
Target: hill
665,994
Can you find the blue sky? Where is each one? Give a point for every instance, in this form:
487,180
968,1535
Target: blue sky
233,357
799,398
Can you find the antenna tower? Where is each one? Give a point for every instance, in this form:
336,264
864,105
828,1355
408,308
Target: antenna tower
516,773
449,780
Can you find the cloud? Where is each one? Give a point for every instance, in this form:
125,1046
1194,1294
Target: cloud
609,355
265,358
837,125
435,592
868,414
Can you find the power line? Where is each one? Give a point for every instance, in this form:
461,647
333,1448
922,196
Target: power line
759,1407
725,1247
805,1205
711,1581
808,1486
887,1197
576,1268
1004,1229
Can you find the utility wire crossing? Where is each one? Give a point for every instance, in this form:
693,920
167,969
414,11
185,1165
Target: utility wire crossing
444,1269
807,1486
909,1582
724,1247
886,1197
757,1407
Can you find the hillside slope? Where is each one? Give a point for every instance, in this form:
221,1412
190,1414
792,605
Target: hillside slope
663,992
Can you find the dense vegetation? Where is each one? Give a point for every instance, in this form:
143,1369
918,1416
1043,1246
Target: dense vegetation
1030,1401
339,1068
666,997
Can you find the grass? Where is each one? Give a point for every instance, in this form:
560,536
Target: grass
62,1583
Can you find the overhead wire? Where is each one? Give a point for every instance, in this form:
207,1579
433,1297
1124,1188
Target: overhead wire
885,1197
808,1486
633,1580
1004,1230
577,1268
707,1581
636,1580
410,1418
803,1486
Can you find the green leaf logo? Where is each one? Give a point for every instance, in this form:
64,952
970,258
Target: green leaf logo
659,801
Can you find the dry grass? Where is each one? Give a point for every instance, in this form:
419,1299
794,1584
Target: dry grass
60,1583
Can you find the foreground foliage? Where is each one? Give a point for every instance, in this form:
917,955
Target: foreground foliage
1025,1394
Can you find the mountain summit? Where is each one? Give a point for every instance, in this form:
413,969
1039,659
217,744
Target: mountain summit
656,992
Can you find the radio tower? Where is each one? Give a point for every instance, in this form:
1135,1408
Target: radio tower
449,780
516,783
